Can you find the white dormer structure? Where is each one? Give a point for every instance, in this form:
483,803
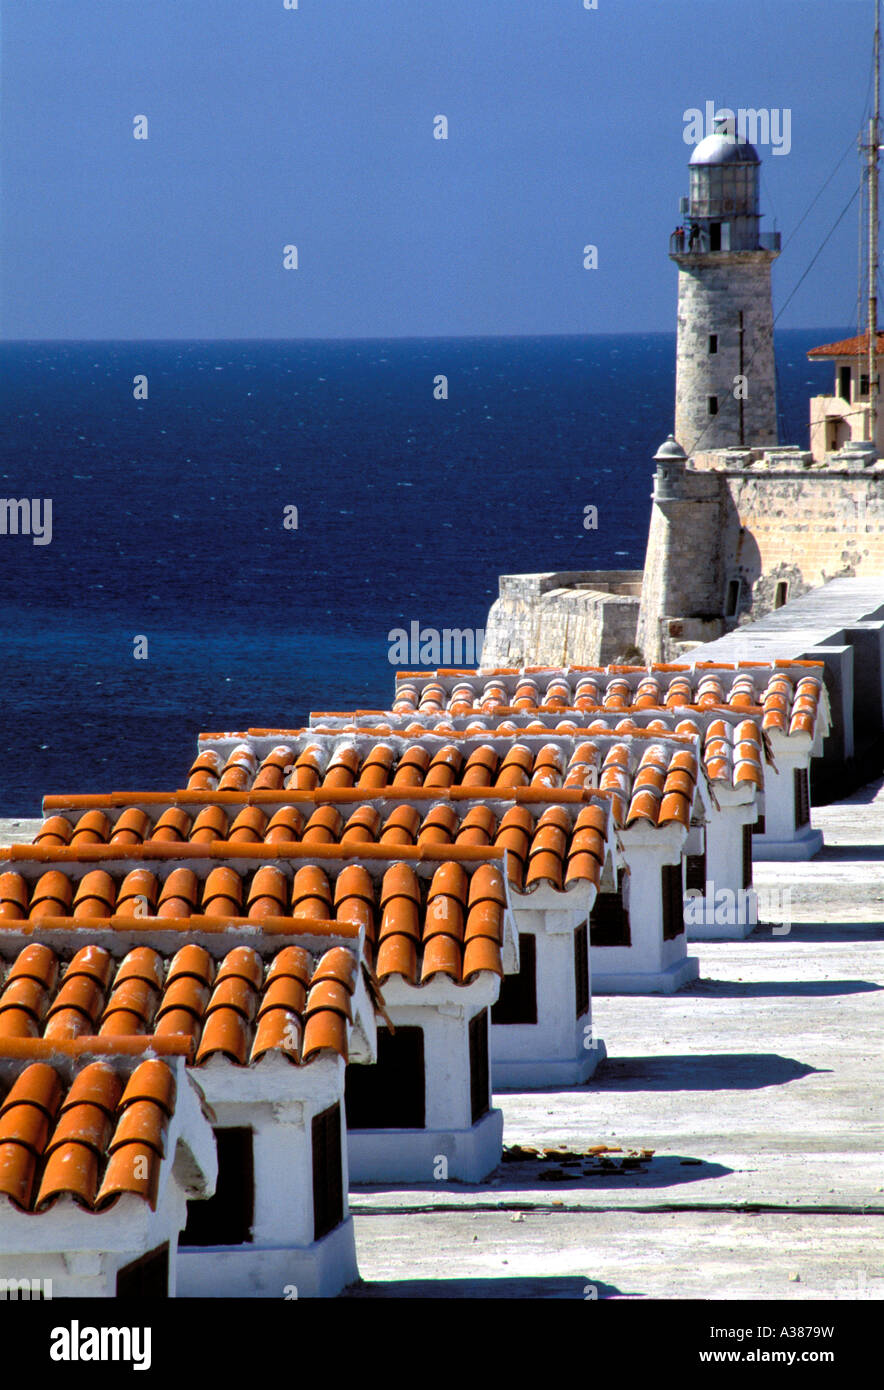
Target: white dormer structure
843,417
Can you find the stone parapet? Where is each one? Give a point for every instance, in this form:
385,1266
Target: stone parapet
580,618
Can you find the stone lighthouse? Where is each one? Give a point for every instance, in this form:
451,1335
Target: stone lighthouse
725,385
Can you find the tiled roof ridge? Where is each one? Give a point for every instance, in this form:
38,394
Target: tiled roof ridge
315,728
381,733
561,711
329,796
94,1045
614,669
225,850
295,928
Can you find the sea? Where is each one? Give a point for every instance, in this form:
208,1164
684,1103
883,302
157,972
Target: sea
236,549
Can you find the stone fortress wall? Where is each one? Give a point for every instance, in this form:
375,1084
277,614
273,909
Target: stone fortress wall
555,618
765,517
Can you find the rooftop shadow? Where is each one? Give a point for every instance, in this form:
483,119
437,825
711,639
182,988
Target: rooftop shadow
665,1170
861,797
770,989
819,931
549,1286
551,1175
837,853
719,1071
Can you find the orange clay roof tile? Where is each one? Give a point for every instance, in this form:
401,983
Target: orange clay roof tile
325,1030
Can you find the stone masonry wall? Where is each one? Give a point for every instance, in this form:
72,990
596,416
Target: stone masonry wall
769,522
711,296
805,530
684,562
545,619
771,518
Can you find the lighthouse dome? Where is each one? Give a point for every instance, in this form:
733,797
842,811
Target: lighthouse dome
724,149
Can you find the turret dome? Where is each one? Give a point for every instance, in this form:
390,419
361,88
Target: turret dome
724,149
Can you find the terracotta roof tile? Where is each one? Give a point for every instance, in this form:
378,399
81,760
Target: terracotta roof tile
179,894
78,1140
375,770
205,771
55,830
285,825
397,952
238,1013
172,827
278,1030
612,688
209,825
93,827
249,826
325,1029
847,347
222,893
39,1085
284,992
362,826
268,893
131,828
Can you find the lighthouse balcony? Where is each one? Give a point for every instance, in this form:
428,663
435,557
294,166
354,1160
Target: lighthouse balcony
712,239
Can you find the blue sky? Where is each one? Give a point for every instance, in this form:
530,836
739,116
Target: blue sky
314,127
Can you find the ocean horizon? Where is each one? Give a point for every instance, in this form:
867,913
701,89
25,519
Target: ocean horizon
168,532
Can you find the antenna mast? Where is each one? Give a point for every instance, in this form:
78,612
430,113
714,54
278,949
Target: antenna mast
873,160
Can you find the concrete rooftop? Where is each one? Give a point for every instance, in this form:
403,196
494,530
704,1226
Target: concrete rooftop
761,1090
800,624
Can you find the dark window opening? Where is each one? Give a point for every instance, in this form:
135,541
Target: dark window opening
802,797
747,856
844,383
581,969
392,1093
715,236
517,1001
711,405
226,1218
695,872
480,1079
673,901
147,1277
713,342
328,1178
758,827
864,386
732,601
782,593
609,920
